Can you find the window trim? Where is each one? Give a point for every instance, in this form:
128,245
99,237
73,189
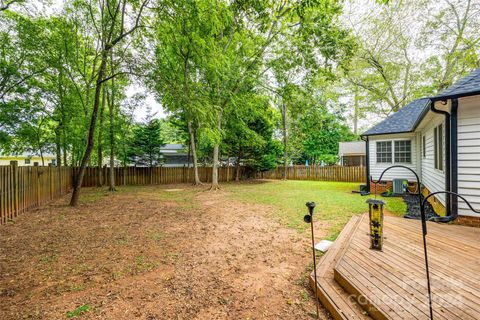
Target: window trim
395,150
392,147
391,151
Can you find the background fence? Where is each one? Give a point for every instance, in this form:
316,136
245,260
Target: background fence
330,173
23,188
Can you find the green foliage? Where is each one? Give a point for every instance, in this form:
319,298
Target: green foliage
145,146
248,133
238,79
79,311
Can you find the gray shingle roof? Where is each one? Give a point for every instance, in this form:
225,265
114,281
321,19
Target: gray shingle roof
404,120
469,84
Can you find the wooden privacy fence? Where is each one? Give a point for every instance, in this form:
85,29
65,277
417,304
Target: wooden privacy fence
156,175
329,173
23,188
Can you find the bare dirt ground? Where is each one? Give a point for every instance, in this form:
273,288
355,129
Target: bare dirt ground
170,252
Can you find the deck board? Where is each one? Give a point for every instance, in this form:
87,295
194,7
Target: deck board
392,284
331,294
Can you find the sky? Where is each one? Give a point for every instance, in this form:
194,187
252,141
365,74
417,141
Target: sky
149,101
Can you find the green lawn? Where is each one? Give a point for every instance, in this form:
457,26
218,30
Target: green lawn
335,201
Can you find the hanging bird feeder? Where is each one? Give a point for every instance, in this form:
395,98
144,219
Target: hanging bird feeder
375,214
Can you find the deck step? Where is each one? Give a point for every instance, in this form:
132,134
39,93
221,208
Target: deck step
335,299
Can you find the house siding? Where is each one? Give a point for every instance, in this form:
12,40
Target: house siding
376,169
469,153
5,161
432,178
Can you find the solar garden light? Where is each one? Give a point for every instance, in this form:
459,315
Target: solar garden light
375,214
308,218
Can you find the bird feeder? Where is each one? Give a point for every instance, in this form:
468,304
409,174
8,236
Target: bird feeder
375,214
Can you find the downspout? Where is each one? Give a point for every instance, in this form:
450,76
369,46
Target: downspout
367,160
454,157
448,205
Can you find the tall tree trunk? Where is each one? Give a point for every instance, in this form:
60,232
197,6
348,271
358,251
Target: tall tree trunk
284,131
91,132
41,156
100,142
111,105
58,145
216,153
189,154
355,112
194,153
237,169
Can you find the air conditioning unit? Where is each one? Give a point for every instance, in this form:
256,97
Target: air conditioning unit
399,186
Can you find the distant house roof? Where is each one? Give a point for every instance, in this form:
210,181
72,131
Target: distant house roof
351,148
28,155
173,149
404,120
469,85
173,146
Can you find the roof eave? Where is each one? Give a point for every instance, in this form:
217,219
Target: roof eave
455,96
385,133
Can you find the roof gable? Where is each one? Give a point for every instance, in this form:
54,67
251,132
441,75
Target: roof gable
466,86
404,120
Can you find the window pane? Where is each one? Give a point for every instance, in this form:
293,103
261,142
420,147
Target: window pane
384,152
403,151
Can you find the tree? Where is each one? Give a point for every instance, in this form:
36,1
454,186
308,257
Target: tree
111,29
175,78
454,33
407,50
5,4
146,144
317,132
248,134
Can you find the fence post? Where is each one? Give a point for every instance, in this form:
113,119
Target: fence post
37,183
15,192
50,182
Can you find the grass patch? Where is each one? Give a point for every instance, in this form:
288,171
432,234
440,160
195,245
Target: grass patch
78,311
336,203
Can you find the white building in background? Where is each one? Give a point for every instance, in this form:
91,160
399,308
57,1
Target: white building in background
28,159
352,153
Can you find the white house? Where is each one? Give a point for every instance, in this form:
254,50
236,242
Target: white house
28,159
438,138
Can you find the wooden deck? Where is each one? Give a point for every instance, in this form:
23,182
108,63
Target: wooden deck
392,284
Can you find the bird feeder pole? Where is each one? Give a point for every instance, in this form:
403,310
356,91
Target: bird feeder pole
309,219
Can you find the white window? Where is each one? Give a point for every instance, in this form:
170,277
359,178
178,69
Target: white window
403,151
384,152
399,151
438,146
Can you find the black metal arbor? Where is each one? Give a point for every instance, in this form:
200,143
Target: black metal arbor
422,203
